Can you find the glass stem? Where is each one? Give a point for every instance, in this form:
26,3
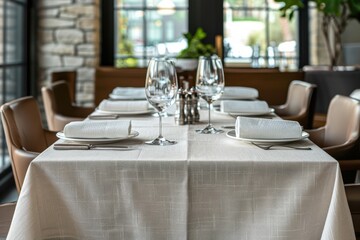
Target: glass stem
160,125
209,122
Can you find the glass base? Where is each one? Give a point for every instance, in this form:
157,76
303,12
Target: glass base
161,141
163,114
209,130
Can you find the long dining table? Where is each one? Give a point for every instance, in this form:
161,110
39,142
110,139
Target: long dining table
204,187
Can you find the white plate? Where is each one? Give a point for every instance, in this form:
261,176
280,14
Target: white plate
148,111
96,140
231,134
124,98
270,110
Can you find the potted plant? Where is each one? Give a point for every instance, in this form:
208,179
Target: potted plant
336,15
188,57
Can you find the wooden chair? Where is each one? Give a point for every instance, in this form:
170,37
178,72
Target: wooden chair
25,135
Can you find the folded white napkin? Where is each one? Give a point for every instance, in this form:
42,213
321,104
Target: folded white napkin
98,129
258,128
123,106
128,93
244,106
239,93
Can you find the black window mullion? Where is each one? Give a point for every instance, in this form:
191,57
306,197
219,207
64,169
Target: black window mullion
4,52
267,29
144,30
107,34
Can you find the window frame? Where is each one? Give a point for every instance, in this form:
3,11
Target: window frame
199,12
28,84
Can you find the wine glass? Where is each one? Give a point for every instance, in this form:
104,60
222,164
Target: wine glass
161,88
210,84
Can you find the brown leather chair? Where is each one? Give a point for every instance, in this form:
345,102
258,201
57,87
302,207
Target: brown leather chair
300,103
25,136
59,109
353,193
353,198
340,135
6,215
70,78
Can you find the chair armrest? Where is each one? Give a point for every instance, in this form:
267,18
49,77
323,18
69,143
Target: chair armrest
50,137
59,121
81,112
21,161
280,109
317,136
343,151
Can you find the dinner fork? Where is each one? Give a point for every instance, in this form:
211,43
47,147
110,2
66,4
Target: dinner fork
268,147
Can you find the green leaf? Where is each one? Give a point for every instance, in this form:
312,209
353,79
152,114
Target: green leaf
354,6
331,7
195,46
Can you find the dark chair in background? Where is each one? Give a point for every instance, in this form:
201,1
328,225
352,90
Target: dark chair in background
25,135
70,78
353,193
59,108
300,103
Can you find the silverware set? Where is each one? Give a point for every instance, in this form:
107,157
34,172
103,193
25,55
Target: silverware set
273,146
104,117
79,146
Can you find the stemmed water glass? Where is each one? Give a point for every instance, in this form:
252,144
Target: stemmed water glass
161,88
210,84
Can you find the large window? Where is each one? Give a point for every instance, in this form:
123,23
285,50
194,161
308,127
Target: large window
255,35
13,69
147,28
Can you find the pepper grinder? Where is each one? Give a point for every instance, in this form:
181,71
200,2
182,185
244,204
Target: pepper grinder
189,108
182,119
195,105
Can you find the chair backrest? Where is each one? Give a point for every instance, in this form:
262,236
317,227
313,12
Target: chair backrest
301,101
355,94
59,109
70,78
56,101
25,136
342,122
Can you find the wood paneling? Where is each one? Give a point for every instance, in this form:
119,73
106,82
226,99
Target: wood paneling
271,84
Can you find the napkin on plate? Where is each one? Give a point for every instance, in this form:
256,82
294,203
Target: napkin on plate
98,129
128,93
244,106
123,106
259,128
240,93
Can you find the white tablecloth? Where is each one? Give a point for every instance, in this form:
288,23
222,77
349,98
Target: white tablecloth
205,187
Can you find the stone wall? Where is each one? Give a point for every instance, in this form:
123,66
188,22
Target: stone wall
69,39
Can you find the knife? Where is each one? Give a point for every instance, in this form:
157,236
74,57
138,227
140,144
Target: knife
78,146
100,117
